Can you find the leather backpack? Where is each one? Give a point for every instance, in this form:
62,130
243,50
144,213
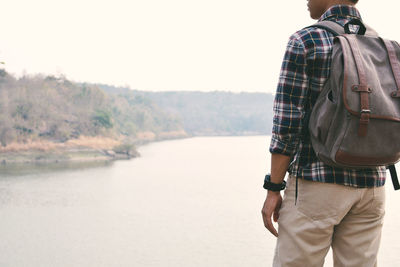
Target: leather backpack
355,121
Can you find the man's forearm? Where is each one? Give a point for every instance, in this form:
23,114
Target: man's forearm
279,165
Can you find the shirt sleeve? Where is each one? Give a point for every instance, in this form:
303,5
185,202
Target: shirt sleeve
289,99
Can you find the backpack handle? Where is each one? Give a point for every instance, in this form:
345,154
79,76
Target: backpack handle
361,30
337,29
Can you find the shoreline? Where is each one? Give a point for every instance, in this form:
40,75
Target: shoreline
55,156
87,149
84,149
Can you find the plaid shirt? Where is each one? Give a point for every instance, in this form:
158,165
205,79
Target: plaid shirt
305,68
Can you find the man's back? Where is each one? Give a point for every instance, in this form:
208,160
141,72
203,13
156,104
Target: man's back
335,207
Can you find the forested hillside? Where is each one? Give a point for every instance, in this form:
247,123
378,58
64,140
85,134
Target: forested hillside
55,109
49,108
212,113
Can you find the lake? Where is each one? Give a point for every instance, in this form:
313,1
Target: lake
189,202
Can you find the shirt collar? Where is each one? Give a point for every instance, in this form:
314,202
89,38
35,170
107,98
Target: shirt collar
344,11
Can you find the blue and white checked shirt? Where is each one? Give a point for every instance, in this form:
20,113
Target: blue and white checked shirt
305,68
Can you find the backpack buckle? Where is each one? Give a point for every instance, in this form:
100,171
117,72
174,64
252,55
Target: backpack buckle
361,88
365,111
395,94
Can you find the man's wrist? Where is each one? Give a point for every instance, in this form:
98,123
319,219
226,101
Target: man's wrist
273,193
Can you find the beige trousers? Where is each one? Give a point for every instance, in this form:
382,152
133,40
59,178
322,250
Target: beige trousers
345,218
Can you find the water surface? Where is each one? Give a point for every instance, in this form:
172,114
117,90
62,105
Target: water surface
190,202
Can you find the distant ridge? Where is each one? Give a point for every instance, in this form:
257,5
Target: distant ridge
211,113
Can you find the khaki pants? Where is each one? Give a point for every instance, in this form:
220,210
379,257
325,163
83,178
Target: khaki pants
348,219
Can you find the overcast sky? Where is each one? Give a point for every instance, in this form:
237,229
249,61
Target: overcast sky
159,45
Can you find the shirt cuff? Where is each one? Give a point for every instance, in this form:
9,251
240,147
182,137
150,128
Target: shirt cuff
282,145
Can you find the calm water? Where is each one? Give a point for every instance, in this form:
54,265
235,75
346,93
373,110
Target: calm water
192,202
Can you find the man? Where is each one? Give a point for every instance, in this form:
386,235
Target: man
338,208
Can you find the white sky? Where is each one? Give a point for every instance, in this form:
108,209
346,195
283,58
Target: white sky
159,45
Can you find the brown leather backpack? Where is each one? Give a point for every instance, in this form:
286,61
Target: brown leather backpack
356,119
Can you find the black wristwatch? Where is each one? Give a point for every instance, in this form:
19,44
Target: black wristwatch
272,186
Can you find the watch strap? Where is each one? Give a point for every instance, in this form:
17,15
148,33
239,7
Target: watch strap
272,186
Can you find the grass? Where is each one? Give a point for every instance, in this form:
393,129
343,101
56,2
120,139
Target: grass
45,146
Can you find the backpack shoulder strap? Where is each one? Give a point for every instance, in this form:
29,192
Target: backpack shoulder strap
335,28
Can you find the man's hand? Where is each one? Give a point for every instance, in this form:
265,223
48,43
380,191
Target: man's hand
271,208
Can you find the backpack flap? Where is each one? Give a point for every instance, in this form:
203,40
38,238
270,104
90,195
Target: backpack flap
369,75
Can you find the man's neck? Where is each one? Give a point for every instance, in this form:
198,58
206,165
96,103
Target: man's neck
340,2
